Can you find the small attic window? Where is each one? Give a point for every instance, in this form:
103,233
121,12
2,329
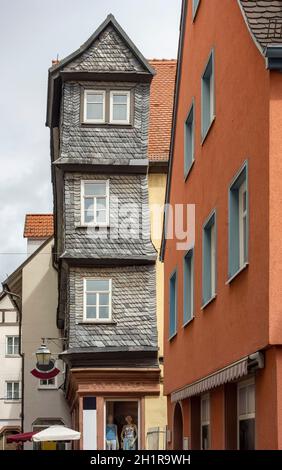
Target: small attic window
94,106
112,107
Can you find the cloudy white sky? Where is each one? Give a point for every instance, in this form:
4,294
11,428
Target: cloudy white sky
32,33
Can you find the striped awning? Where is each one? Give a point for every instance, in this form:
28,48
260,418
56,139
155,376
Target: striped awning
227,374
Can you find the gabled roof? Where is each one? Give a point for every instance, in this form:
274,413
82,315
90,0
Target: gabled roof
110,20
264,21
60,71
38,226
161,107
13,277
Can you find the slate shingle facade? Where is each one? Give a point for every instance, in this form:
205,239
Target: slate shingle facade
128,195
133,323
122,251
103,144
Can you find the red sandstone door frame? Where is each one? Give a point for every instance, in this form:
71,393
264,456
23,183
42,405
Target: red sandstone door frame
140,420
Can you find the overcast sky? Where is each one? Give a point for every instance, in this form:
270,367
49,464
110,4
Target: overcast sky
32,33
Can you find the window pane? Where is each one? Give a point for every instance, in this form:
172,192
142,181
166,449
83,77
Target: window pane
16,345
91,312
16,390
10,345
242,401
101,217
94,111
172,305
205,409
88,217
245,238
94,97
244,201
120,112
89,204
104,299
101,203
104,312
91,299
9,390
251,399
95,285
95,189
120,99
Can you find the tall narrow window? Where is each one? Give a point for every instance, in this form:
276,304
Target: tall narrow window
12,390
208,108
95,203
188,287
205,422
12,345
246,415
189,141
209,259
172,304
195,6
94,106
97,299
238,222
119,107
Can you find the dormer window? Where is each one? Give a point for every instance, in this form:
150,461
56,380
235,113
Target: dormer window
108,106
94,106
119,107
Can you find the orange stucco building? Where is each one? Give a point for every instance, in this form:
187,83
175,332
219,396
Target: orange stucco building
223,303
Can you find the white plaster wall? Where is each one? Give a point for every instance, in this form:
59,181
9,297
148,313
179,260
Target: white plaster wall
10,368
39,309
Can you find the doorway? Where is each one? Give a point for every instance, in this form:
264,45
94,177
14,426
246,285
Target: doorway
119,409
177,428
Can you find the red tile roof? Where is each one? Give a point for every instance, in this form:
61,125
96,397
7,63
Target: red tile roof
161,108
38,226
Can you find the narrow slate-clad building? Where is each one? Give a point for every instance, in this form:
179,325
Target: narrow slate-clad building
98,114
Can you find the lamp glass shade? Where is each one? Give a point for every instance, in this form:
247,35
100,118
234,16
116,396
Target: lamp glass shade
43,355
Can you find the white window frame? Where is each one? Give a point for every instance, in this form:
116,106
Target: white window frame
243,217
13,382
206,397
12,354
94,121
82,210
53,386
97,320
120,92
240,385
